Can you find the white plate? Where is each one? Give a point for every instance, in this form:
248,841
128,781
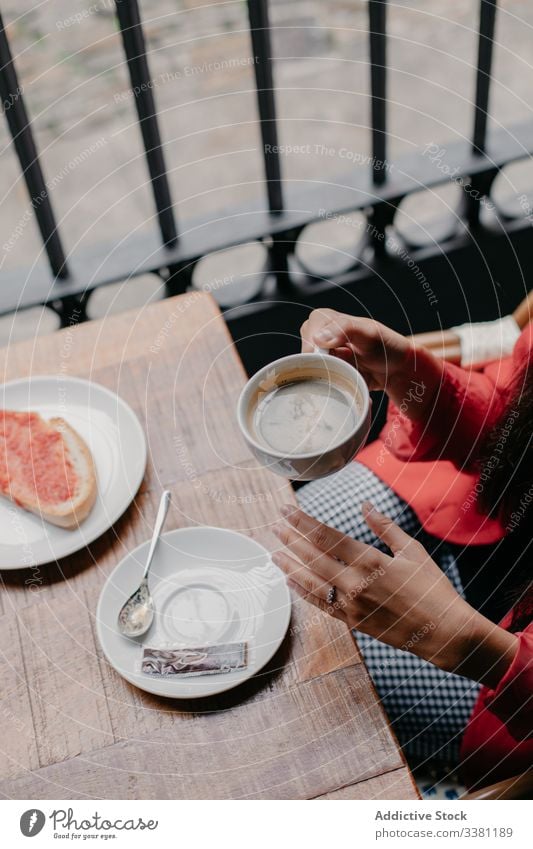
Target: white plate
116,440
209,585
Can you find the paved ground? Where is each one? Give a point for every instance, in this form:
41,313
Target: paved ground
71,67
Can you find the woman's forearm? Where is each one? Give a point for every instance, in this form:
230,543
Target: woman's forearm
444,344
414,385
524,311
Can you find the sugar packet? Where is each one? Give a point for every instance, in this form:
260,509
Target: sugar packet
203,660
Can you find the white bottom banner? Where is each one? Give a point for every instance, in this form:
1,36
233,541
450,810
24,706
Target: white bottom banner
265,825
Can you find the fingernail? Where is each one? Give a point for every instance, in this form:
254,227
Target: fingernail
287,509
367,507
276,530
325,336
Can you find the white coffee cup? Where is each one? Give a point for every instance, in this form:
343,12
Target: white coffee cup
318,365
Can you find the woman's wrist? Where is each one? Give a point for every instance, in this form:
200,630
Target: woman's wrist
476,648
490,654
415,382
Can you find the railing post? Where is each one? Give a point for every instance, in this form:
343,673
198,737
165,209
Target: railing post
377,14
487,21
135,48
262,56
377,10
264,80
21,132
480,186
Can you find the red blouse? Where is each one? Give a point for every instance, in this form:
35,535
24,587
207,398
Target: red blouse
431,467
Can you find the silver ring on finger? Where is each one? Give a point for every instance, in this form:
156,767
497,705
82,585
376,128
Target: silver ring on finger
332,594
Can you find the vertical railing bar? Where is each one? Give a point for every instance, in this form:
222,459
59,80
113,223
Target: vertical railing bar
135,49
487,19
26,149
262,54
378,87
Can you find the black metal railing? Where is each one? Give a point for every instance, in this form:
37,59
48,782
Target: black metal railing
473,255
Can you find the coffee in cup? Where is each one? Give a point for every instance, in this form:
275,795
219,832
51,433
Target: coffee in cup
306,415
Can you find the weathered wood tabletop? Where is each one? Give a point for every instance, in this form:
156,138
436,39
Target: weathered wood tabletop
308,726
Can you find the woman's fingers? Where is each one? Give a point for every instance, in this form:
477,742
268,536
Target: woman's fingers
345,354
328,568
307,346
330,329
328,540
392,535
346,330
352,552
309,329
299,574
308,585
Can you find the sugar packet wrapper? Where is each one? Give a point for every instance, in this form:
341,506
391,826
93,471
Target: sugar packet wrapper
203,660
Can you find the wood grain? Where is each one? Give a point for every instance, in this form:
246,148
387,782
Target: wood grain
70,711
16,719
157,330
397,784
300,742
309,725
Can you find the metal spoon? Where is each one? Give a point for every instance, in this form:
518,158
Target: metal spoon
137,613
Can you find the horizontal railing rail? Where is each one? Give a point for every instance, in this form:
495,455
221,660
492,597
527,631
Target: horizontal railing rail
353,190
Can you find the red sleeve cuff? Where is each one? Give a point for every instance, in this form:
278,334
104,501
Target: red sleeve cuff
512,700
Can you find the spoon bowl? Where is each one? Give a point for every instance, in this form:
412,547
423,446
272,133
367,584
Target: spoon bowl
137,614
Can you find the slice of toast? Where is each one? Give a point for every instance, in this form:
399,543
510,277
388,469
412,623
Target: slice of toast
46,468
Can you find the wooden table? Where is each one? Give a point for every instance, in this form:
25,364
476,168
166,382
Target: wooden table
308,726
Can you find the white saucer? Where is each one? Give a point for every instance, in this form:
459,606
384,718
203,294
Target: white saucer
209,585
116,440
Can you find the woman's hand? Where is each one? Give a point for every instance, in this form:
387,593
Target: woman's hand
386,359
378,352
404,600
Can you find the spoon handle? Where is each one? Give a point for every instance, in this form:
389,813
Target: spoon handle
162,511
